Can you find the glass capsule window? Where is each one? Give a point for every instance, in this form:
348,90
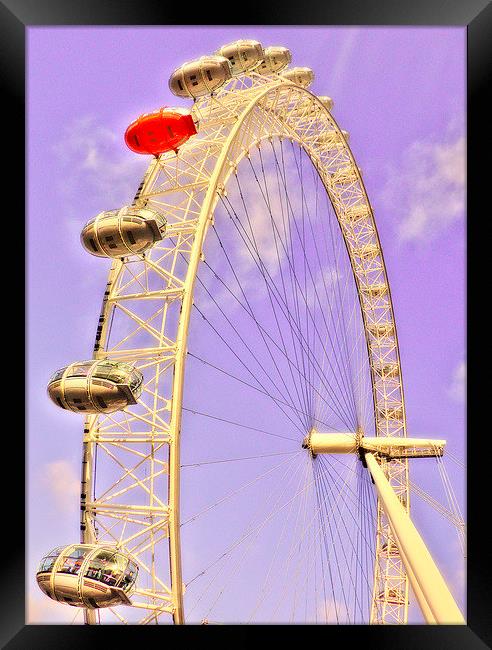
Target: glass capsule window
72,560
57,375
49,560
80,370
112,371
129,576
135,380
107,567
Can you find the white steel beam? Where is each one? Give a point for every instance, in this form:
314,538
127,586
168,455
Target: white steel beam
425,578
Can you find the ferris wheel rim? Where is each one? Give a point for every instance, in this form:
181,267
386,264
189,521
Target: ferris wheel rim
206,215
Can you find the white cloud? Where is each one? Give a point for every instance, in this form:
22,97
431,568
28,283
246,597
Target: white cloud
95,160
63,481
426,194
340,64
457,388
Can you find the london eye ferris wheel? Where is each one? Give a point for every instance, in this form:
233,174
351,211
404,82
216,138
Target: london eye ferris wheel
248,315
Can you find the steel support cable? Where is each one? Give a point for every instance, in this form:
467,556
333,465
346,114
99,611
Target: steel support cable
458,522
234,492
262,593
275,399
271,514
311,555
325,501
238,424
252,239
455,458
241,559
264,331
231,460
250,312
452,502
239,358
299,545
298,288
304,203
347,368
262,268
451,496
362,517
343,325
247,368
277,299
315,176
310,529
283,352
267,201
240,337
225,372
288,477
310,273
251,309
348,275
349,489
286,314
360,546
369,531
367,522
320,502
286,567
329,483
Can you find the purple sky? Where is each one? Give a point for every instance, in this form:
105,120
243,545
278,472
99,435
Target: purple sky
401,95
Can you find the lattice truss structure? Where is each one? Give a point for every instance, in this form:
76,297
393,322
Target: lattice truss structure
130,484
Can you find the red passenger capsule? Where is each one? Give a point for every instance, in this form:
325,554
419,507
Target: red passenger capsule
164,130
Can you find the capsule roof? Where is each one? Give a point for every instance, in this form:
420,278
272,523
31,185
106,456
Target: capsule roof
276,58
302,76
243,55
200,77
327,102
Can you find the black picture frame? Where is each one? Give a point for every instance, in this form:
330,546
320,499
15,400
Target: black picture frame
476,15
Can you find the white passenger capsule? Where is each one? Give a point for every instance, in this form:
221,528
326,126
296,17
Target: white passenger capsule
243,55
200,77
302,76
276,58
119,233
327,102
87,575
102,386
